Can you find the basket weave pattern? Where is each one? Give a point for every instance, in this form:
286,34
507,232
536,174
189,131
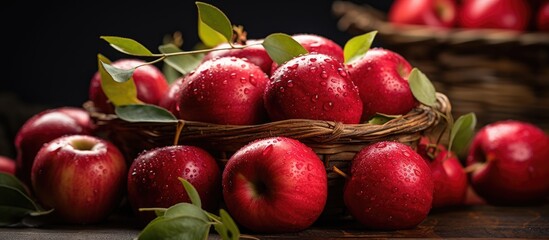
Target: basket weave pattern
496,74
335,143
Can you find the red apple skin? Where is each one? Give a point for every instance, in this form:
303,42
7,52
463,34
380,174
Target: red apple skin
542,16
313,86
496,14
150,82
515,163
449,176
390,187
275,185
436,13
44,127
153,179
382,80
254,52
170,100
82,177
227,90
7,165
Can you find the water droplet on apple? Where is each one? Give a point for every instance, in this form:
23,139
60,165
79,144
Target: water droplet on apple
252,80
267,150
243,80
313,69
224,82
299,166
406,153
328,106
312,59
246,90
381,145
342,72
314,98
293,67
233,75
323,74
290,83
281,89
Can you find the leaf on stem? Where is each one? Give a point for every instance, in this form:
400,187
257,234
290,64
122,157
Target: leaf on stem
119,93
214,27
462,132
127,45
282,47
182,63
422,88
191,191
144,113
357,46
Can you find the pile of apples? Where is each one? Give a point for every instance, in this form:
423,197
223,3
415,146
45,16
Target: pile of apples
277,184
517,15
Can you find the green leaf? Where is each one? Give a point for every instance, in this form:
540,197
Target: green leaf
282,47
127,45
231,229
186,209
12,181
214,27
183,227
117,74
462,132
13,197
119,93
191,191
357,46
380,119
144,113
422,88
182,63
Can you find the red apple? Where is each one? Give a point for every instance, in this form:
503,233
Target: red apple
275,185
82,177
448,174
227,90
7,165
313,86
542,16
170,100
512,163
254,52
436,13
497,14
150,82
153,179
44,127
381,76
390,187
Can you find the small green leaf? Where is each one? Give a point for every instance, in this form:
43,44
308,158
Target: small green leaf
127,45
183,227
462,132
231,229
144,113
357,46
282,47
185,209
12,181
13,197
191,191
119,93
182,63
117,74
380,119
422,88
213,25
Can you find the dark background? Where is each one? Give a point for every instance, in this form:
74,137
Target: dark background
50,50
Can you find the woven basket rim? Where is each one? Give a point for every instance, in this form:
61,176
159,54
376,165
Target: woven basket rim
366,18
312,131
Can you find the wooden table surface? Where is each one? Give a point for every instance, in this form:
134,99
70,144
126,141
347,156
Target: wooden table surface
474,221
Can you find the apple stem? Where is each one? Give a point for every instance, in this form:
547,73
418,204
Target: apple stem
180,125
338,171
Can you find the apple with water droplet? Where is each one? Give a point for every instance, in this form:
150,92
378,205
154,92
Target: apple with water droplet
226,90
44,127
253,52
81,177
313,86
275,185
381,76
510,163
389,187
170,100
495,14
153,179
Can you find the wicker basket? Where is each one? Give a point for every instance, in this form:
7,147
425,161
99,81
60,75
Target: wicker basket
335,143
496,74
